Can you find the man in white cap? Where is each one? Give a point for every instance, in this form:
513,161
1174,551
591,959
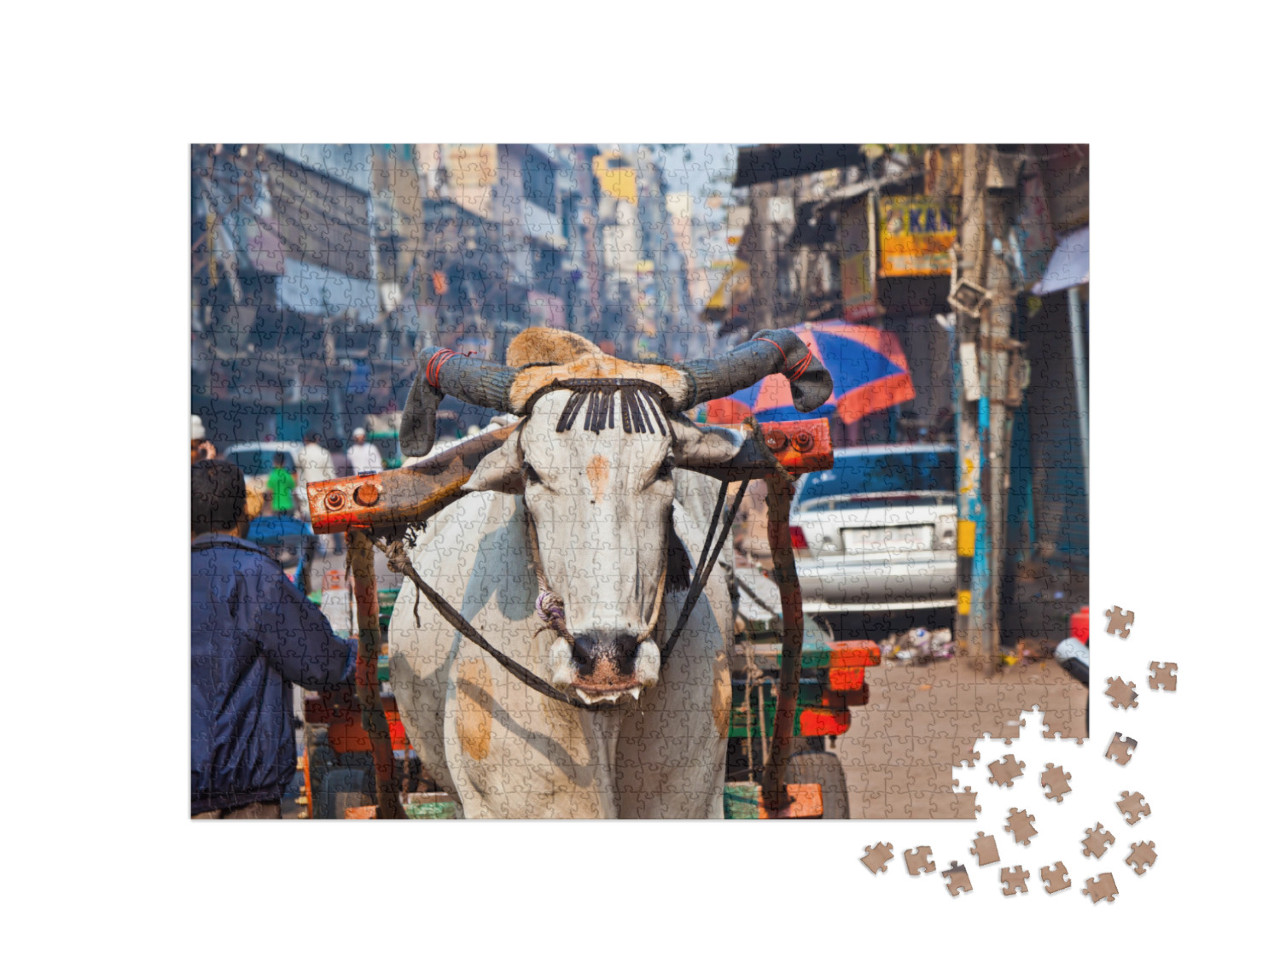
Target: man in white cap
364,456
201,447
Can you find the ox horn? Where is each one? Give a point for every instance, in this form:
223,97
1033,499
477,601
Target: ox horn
769,352
442,372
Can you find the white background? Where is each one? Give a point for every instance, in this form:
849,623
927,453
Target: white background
100,856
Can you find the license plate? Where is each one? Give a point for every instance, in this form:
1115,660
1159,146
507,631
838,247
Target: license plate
904,538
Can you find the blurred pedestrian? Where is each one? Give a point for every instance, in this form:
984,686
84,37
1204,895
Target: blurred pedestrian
364,455
280,483
341,464
315,465
254,635
201,447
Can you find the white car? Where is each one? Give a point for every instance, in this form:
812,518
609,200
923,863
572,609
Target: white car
254,458
877,531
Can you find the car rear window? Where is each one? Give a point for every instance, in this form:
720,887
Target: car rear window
906,471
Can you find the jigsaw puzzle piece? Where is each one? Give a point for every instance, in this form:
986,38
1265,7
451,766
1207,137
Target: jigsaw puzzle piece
984,847
1054,781
1021,825
1101,887
1004,772
1014,880
1133,806
1141,856
957,878
1096,841
1121,749
1122,693
918,860
1119,622
877,859
1164,675
1055,879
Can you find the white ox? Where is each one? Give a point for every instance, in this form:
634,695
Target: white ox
596,479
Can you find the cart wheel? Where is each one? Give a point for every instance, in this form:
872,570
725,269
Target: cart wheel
342,790
823,768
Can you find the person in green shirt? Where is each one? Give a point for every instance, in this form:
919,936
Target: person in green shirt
280,484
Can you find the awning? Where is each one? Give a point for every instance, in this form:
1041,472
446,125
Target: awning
1069,265
773,162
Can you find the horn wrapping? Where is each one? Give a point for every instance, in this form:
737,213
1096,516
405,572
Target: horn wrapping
480,383
769,352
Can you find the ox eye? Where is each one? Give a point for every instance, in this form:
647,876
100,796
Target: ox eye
664,470
531,477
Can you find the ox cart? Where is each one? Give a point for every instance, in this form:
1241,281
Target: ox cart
359,762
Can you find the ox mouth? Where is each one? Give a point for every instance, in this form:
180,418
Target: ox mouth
591,694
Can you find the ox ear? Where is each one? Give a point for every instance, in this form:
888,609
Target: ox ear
501,470
703,447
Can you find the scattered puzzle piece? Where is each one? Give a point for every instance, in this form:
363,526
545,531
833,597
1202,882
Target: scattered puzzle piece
984,847
1015,880
1133,806
1119,622
1054,879
1054,780
1096,841
1020,824
918,860
876,859
1164,676
1121,749
1141,855
1103,886
1004,772
957,878
1122,694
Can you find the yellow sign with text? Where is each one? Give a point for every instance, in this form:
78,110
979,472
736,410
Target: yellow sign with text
916,235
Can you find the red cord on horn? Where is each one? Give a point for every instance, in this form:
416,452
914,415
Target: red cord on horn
801,366
431,372
775,344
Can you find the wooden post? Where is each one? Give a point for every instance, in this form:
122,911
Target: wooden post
998,427
374,722
778,500
972,548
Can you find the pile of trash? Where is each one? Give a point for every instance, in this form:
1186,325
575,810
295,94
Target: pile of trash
919,646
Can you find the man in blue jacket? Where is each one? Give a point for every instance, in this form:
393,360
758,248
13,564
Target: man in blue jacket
253,635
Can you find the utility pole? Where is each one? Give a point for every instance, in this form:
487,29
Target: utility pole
984,300
971,546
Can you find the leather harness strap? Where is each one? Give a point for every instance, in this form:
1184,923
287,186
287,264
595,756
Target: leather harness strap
398,561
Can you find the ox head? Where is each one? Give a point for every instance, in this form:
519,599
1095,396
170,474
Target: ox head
594,459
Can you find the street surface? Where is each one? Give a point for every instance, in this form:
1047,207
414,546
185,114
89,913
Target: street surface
921,720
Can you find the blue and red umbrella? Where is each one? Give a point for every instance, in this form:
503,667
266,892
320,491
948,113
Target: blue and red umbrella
867,367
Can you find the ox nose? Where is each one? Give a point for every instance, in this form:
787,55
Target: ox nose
617,649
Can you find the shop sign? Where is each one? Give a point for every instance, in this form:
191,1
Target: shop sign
916,235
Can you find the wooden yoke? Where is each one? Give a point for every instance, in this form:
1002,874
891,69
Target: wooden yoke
403,496
407,496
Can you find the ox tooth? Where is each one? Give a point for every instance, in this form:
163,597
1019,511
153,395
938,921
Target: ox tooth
583,696
634,692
